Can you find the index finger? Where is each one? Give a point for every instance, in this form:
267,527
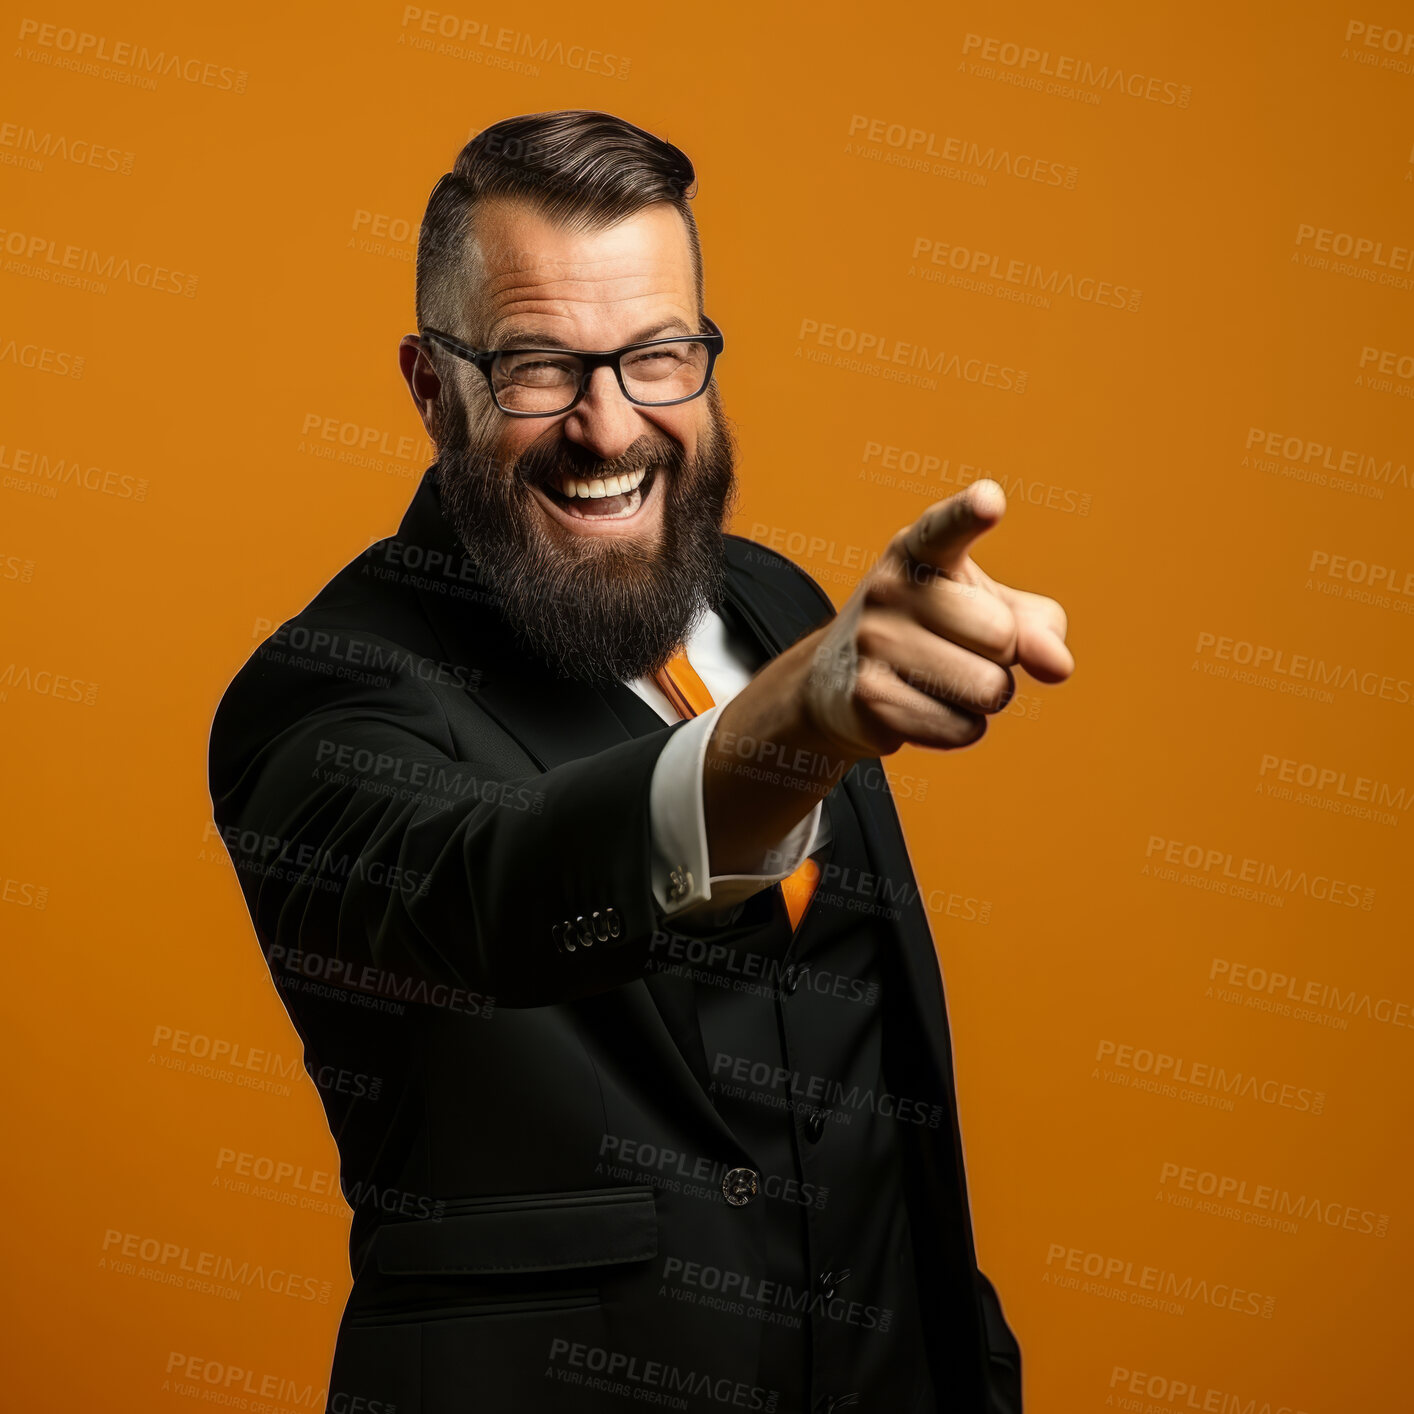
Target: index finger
941,535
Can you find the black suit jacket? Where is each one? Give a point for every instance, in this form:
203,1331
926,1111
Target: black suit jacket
445,852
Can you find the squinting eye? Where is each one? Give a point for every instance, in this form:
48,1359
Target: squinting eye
661,356
542,371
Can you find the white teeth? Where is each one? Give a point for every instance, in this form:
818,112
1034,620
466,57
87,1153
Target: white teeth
572,486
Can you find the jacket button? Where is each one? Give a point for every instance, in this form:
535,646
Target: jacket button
815,1126
830,1280
739,1186
832,1403
790,979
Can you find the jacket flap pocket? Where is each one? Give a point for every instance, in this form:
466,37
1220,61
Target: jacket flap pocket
529,1232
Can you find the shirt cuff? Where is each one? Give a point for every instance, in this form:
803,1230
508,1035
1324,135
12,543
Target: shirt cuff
678,829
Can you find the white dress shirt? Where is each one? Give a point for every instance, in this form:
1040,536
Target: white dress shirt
676,821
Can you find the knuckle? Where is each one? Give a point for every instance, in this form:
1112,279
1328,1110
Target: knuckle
871,636
866,681
878,592
1000,687
883,583
1051,613
872,692
995,628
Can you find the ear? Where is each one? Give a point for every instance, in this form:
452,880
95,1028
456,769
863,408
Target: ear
421,378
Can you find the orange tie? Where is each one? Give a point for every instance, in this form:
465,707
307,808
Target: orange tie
688,694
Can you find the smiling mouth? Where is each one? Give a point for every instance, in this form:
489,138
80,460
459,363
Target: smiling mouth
600,498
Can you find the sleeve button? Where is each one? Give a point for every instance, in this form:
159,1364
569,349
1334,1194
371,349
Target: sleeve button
679,883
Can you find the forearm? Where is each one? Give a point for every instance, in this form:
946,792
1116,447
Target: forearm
768,763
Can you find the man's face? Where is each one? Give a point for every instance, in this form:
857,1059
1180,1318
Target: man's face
602,585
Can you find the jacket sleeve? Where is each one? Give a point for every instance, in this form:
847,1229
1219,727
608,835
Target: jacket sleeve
374,858
1003,1352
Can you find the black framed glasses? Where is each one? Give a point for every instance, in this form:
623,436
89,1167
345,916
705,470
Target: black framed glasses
543,382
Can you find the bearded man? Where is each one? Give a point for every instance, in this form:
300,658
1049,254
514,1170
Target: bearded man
561,822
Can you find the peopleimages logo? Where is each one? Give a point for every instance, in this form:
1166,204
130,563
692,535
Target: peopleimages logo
1266,1204
872,350
1388,48
1173,1071
70,264
920,149
787,1088
977,268
1041,63
24,146
1223,867
41,359
1185,1394
64,471
211,1273
1333,781
1269,986
649,1381
1118,1278
1300,673
84,51
776,1302
922,472
1358,257
1316,456
678,1172
461,37
220,1382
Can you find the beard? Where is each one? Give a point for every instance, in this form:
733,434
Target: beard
594,608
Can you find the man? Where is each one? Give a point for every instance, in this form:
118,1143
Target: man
553,814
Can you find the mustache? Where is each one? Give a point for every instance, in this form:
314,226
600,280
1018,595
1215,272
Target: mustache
538,464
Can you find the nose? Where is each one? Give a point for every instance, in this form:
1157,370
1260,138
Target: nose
604,421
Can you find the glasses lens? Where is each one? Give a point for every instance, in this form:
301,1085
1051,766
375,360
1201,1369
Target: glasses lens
536,381
665,373
540,381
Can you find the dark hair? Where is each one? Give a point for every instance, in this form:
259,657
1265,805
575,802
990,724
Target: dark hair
579,168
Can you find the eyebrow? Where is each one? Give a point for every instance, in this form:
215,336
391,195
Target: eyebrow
540,339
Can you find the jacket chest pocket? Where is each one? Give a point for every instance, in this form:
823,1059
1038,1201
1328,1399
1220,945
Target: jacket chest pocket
511,1253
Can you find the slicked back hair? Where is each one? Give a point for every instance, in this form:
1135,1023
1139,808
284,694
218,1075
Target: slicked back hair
578,168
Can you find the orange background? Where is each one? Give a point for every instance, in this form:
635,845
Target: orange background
189,484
